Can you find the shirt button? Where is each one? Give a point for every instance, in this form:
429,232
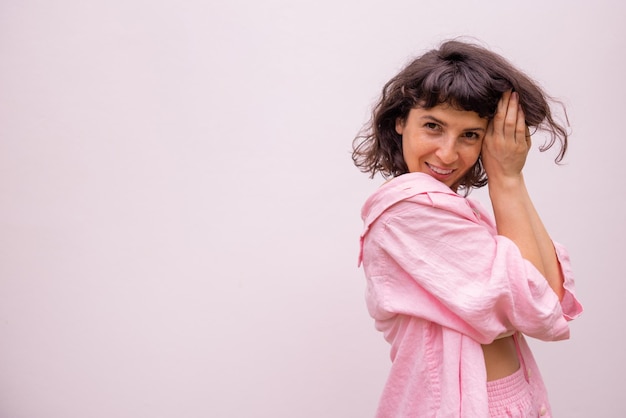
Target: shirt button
543,411
528,372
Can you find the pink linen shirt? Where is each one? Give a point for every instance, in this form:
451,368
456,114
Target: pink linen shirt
441,282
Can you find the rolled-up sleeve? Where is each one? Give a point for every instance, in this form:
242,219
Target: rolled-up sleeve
425,258
570,305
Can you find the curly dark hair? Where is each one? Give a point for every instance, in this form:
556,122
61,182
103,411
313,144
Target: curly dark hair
466,76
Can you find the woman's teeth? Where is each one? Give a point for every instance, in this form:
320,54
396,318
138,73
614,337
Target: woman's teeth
440,170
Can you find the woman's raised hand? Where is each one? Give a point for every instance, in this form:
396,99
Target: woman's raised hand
507,141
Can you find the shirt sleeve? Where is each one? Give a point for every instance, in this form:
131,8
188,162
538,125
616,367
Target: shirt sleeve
433,261
570,304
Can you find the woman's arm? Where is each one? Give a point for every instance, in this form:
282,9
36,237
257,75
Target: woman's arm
431,256
504,152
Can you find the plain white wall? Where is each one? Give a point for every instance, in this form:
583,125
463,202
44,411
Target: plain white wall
179,214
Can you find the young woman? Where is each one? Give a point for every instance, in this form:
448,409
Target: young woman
453,289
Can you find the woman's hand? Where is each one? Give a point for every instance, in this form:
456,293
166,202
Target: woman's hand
507,141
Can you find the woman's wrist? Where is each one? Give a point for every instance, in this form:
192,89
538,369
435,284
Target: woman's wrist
503,184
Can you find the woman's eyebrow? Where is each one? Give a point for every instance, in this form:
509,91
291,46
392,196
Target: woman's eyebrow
434,119
442,123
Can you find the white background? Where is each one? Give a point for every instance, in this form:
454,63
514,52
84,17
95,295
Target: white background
179,213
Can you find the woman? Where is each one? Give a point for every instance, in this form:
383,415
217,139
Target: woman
453,289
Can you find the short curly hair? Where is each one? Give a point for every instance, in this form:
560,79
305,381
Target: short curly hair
464,75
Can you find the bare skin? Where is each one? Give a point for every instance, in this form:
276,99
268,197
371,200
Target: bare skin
504,152
500,358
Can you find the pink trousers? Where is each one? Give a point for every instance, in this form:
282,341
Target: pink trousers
511,397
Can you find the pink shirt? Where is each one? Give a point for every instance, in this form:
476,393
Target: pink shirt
441,282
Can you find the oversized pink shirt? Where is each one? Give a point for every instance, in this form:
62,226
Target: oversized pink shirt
441,282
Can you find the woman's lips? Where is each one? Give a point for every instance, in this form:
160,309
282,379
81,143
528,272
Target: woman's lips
439,170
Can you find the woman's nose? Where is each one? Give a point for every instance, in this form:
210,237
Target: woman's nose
447,151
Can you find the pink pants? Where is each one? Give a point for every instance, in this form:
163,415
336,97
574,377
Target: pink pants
511,397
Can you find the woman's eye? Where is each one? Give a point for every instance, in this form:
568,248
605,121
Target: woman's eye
431,125
471,135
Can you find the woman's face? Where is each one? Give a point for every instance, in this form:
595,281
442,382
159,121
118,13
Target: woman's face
443,142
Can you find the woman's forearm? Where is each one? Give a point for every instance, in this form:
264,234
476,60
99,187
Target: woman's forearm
552,268
518,220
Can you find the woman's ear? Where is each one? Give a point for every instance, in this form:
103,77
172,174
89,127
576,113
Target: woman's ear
399,125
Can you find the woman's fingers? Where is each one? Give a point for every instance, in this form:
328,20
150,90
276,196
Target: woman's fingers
511,118
509,123
506,121
499,118
520,127
527,136
507,141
